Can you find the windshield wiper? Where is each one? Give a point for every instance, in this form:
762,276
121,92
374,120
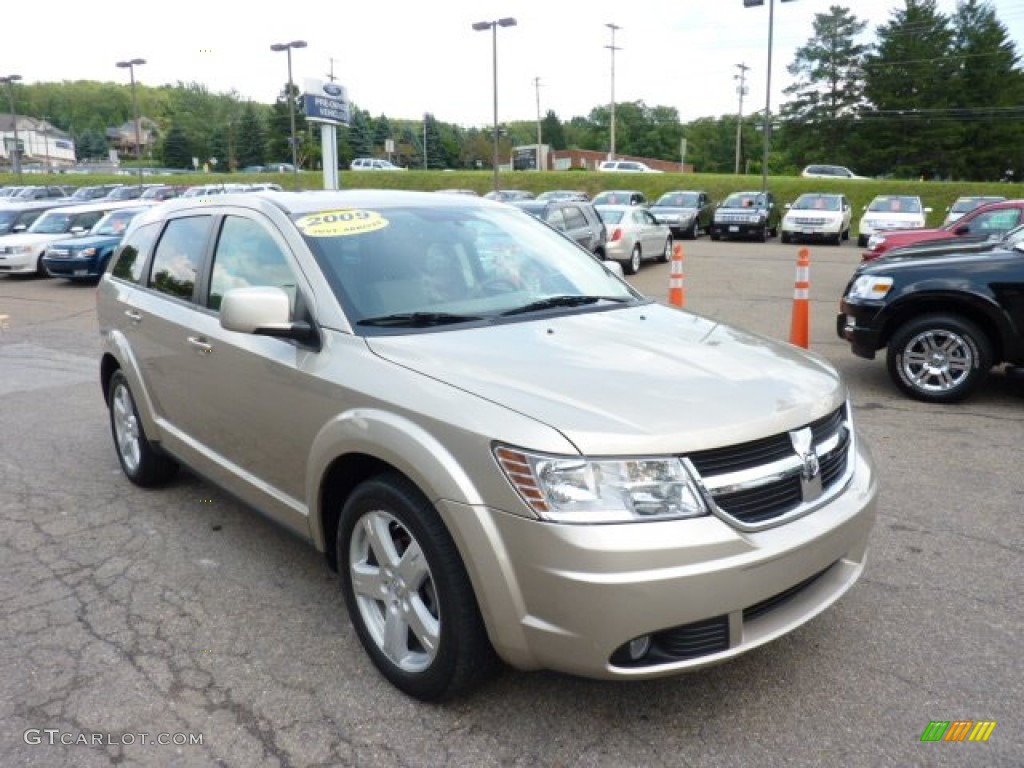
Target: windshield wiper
417,319
551,302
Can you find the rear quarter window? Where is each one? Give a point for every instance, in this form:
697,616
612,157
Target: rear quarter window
131,256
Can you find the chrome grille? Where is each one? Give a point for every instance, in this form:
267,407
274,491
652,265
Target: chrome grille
769,480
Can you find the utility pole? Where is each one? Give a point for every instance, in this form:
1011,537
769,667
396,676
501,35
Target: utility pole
741,89
613,49
536,85
330,75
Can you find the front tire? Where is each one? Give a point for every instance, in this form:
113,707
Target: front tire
862,241
666,254
939,358
142,463
407,591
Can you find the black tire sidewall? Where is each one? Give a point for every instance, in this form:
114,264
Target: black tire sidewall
972,335
393,494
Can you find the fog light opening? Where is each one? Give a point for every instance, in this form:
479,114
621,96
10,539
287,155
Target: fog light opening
639,647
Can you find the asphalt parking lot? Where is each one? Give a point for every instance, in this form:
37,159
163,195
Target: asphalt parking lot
131,617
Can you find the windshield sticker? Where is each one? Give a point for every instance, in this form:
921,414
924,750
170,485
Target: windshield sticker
341,223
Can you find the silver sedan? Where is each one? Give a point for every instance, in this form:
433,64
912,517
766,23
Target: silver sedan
634,235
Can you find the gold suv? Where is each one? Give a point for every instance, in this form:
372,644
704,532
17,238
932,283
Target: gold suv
505,450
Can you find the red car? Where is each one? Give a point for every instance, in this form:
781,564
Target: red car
983,223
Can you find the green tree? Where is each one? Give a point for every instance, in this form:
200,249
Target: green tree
436,155
552,132
907,84
279,130
989,90
382,131
218,148
251,145
175,151
828,92
360,136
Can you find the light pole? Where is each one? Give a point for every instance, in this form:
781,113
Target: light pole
15,153
741,89
291,104
536,85
480,26
768,86
613,49
130,65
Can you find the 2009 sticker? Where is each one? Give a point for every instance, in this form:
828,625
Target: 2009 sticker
341,223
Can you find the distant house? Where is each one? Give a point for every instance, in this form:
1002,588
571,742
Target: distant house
122,138
41,142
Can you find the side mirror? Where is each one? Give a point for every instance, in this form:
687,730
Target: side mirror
615,268
262,311
927,210
788,206
19,228
76,231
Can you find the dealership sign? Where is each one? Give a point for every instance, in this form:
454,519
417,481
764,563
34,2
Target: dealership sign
325,102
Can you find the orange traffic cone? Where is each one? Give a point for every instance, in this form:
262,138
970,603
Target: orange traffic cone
799,328
676,292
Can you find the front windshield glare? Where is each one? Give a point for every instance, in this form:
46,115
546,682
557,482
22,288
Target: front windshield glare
439,265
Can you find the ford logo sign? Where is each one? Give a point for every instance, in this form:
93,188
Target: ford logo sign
332,89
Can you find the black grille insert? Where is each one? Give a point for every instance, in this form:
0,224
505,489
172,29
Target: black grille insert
773,602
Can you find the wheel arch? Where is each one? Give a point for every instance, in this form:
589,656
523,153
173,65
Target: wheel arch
949,304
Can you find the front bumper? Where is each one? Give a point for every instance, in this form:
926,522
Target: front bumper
859,325
18,263
728,229
87,267
570,598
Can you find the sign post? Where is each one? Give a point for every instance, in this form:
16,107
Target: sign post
327,103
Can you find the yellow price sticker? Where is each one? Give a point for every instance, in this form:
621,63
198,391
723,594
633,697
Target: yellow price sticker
341,223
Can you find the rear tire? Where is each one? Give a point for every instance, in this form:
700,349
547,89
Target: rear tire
939,358
632,265
407,592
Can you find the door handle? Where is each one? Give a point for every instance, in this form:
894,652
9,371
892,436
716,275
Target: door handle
133,315
200,344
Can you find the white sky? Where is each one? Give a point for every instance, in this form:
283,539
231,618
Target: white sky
406,57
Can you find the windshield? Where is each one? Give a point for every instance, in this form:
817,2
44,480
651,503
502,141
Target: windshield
401,268
88,193
895,205
52,223
114,223
742,200
7,219
817,203
678,200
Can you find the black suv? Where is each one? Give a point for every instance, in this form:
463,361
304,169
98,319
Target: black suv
946,317
575,218
748,215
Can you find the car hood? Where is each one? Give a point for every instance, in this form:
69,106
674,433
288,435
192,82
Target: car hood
95,241
645,379
944,246
948,265
30,238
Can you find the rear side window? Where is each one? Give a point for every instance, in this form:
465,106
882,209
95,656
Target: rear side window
132,254
179,256
574,218
87,220
556,219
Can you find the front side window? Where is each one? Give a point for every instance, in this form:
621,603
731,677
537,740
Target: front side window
86,220
179,256
133,252
247,255
995,221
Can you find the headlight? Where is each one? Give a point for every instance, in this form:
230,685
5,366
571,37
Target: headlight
23,249
566,489
870,287
87,252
